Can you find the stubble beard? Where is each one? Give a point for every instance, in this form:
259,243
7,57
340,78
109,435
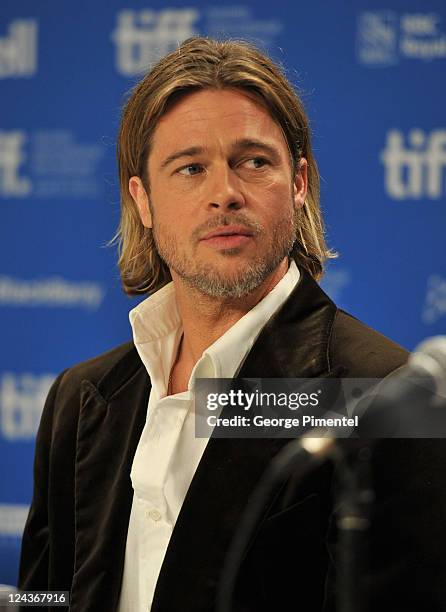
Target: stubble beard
213,282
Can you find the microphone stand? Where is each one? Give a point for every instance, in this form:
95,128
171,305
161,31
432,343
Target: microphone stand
355,499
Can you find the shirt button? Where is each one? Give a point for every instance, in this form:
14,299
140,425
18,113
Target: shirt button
154,515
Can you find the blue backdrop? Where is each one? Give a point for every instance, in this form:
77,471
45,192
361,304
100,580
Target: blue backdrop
372,75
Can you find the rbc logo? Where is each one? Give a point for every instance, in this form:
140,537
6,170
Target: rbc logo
384,38
11,157
18,49
415,171
420,24
377,38
143,37
21,403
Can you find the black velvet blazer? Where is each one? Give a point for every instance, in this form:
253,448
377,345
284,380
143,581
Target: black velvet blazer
76,531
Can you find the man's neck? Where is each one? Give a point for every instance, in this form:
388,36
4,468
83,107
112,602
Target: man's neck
205,318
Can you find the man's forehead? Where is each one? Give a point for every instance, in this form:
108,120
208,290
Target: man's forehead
202,117
222,101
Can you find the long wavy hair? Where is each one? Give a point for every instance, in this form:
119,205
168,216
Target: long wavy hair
203,63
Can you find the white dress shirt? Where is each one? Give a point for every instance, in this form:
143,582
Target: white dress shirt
168,452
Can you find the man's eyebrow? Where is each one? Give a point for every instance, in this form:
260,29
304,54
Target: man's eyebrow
253,143
189,152
239,145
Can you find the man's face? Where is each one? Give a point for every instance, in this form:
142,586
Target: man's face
222,195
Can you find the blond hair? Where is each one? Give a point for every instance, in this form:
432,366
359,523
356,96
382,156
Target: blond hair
203,63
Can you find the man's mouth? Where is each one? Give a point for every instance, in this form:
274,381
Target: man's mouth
228,230
227,237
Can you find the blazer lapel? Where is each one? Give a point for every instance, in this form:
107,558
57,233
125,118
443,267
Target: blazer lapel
111,420
294,343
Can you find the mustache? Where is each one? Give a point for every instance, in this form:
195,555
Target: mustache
253,227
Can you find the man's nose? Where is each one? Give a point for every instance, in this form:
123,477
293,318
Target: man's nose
225,189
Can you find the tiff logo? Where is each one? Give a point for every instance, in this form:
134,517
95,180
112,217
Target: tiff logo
143,37
415,171
11,157
22,397
18,49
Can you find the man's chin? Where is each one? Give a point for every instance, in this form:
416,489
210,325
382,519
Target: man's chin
235,285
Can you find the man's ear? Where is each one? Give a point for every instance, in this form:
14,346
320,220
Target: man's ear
141,199
300,184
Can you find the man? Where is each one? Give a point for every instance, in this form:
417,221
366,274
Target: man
132,512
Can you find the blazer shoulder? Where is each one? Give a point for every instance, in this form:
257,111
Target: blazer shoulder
113,365
361,350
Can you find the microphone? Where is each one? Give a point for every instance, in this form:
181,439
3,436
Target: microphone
429,359
408,402
425,369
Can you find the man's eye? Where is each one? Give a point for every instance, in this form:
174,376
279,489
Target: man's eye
191,169
256,162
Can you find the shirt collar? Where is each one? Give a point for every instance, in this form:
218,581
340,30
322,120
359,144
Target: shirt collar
157,319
